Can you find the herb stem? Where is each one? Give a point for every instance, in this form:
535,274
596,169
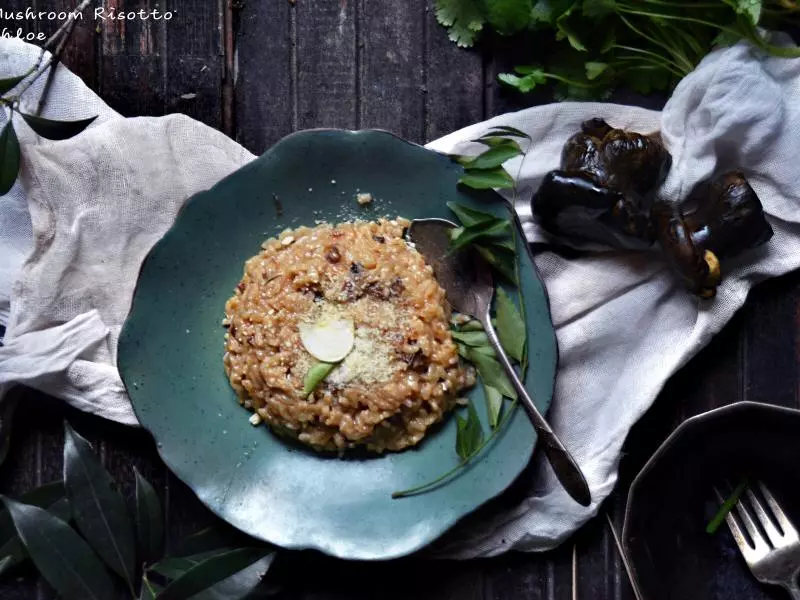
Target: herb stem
445,476
685,68
655,58
726,507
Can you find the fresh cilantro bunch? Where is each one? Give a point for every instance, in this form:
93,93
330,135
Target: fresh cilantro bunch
643,45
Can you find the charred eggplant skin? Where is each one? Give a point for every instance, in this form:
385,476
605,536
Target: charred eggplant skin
626,161
605,190
726,216
572,204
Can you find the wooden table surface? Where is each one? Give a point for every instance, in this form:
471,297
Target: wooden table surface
259,69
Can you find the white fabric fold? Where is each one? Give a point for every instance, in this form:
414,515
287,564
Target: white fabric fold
98,202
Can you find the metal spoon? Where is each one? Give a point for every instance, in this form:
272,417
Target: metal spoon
467,282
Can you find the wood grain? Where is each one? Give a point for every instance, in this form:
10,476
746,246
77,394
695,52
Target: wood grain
194,61
264,83
454,81
391,71
132,60
326,66
261,69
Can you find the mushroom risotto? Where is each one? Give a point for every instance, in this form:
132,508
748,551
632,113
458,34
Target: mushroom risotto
339,336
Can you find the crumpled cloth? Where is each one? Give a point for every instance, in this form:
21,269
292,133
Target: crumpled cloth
88,210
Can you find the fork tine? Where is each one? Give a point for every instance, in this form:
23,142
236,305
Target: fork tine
750,525
786,525
766,522
748,552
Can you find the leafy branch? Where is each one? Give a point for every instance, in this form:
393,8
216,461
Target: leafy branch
484,230
643,45
46,128
80,536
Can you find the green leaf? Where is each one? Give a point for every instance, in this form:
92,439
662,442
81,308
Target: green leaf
726,38
596,9
501,261
547,11
595,69
471,338
565,30
494,404
482,231
209,539
211,571
13,548
149,519
316,375
469,433
42,496
56,130
173,567
492,373
510,326
240,585
463,18
498,141
750,9
526,83
508,16
469,216
149,589
9,83
98,507
464,350
9,157
60,554
491,158
484,179
473,325
512,131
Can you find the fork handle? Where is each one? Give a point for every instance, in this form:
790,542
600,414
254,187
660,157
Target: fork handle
565,467
793,589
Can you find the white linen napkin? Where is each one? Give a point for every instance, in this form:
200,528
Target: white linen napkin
98,202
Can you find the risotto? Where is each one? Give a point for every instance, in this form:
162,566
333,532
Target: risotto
400,373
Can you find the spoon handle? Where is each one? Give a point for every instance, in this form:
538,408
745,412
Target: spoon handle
565,467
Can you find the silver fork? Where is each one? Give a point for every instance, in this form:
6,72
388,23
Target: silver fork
774,559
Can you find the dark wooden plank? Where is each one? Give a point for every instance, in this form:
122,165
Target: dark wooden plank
326,63
454,86
264,81
80,53
391,73
770,346
516,575
195,61
132,63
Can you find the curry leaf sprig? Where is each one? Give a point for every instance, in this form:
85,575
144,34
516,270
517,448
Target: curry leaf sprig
485,171
12,90
643,45
474,345
80,536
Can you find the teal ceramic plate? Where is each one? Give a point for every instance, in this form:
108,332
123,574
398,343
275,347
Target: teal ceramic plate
171,347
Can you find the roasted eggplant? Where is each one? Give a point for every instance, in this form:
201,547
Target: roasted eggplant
721,219
604,189
604,192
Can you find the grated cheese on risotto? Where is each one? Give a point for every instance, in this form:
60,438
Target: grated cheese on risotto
402,374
